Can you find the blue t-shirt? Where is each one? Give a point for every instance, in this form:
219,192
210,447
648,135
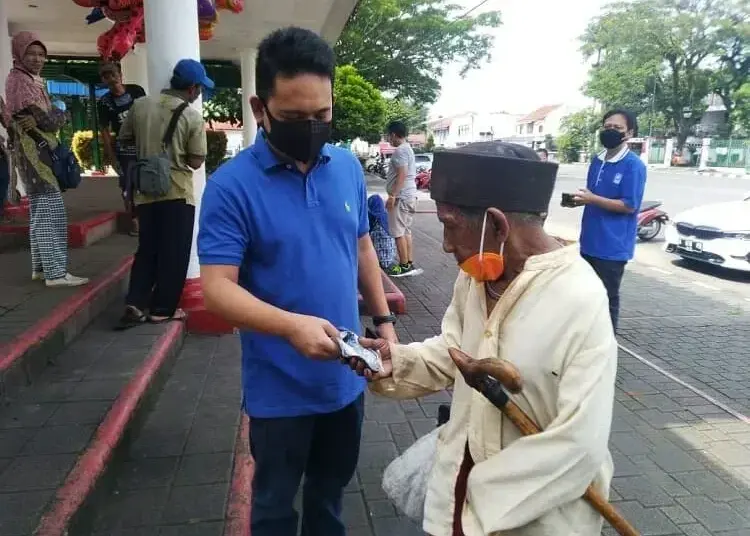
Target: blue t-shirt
295,240
611,235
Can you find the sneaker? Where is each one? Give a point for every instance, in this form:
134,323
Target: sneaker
405,270
67,281
37,276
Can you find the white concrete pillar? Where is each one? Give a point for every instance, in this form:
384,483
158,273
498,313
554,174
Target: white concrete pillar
135,67
705,148
172,35
249,126
6,57
668,150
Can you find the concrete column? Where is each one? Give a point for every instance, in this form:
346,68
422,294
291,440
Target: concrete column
135,67
6,57
668,150
172,35
249,127
705,148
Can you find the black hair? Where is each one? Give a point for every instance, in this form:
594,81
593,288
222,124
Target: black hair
110,66
179,84
630,118
543,150
398,128
289,52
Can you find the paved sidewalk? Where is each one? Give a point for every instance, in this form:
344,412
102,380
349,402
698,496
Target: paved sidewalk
682,464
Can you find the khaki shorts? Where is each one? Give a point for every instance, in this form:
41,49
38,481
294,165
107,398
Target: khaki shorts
401,217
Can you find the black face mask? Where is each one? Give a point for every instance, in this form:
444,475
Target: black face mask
611,138
301,140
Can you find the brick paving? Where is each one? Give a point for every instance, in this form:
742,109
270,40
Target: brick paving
50,423
176,476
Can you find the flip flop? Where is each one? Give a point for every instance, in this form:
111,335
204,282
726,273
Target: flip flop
178,316
131,318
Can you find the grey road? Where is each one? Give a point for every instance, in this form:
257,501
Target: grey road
678,190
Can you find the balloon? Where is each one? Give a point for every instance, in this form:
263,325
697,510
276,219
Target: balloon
235,6
87,3
206,9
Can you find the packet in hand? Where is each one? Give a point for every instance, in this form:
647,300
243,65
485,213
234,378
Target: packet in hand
348,342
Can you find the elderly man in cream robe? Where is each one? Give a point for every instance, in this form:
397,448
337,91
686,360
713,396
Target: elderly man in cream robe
522,296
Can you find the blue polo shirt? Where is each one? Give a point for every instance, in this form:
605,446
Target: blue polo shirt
611,235
295,240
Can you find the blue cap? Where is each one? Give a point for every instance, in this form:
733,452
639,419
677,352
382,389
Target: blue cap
193,72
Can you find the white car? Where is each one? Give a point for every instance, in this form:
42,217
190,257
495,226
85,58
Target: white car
717,234
423,161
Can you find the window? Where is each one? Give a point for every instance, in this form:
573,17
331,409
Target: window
463,131
540,129
530,128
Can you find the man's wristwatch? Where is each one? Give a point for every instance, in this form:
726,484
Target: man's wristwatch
390,318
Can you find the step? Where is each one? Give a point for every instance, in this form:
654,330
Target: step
37,323
85,227
189,470
59,436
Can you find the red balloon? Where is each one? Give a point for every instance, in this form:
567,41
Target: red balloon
236,6
87,3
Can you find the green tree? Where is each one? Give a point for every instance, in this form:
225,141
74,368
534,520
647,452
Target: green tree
224,107
577,135
402,46
658,54
430,144
734,60
358,109
741,110
413,115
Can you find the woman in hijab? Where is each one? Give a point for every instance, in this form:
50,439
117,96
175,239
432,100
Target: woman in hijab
31,118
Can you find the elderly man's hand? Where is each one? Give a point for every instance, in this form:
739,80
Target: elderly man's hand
384,348
583,197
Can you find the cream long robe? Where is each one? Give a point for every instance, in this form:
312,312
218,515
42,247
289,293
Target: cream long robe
553,324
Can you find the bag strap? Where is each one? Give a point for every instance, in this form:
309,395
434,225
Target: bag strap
167,139
41,143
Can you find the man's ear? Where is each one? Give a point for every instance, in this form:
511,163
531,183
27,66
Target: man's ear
258,109
500,224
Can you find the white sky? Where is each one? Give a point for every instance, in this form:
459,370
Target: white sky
536,59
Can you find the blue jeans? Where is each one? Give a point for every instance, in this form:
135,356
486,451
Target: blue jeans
610,272
324,448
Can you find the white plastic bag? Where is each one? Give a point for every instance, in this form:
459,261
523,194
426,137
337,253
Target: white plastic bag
405,479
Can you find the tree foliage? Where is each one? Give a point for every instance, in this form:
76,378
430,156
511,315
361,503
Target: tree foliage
414,116
402,46
664,55
359,109
224,107
577,135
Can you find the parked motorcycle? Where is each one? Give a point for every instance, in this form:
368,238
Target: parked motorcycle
651,220
423,180
378,167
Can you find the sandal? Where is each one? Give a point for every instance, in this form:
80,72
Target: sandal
178,316
131,318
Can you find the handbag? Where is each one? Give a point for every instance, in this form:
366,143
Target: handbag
60,160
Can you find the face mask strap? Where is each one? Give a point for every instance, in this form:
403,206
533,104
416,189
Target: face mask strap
481,240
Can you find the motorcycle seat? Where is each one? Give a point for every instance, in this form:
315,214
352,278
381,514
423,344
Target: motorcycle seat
648,205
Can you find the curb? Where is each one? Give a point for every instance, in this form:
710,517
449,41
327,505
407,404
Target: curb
81,482
80,234
240,488
29,352
393,295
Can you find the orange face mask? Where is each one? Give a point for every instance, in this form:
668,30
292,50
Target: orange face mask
485,266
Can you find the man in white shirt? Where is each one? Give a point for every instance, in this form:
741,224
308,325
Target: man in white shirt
524,297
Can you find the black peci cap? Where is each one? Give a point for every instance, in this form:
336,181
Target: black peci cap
506,176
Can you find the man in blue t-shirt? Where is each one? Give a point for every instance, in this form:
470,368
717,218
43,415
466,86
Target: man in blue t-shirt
283,244
612,199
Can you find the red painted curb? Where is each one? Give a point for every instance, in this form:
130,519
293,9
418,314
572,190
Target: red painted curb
21,344
81,481
78,232
240,489
200,319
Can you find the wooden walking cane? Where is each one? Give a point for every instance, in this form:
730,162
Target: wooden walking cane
491,378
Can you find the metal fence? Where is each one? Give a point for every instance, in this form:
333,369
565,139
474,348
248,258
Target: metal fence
656,151
729,154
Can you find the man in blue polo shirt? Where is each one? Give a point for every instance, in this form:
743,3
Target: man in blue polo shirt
283,243
612,198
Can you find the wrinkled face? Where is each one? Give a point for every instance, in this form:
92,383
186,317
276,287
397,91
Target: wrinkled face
34,58
619,123
112,78
462,234
302,97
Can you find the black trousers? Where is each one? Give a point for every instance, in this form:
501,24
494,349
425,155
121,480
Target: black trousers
610,272
324,448
4,180
161,262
